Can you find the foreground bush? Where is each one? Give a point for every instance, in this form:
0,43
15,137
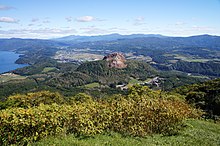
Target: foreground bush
32,99
137,114
204,95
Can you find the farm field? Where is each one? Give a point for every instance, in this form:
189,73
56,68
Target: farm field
9,76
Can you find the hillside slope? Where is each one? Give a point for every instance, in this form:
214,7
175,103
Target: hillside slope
197,133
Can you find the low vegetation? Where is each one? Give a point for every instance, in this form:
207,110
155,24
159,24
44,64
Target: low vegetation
31,117
196,133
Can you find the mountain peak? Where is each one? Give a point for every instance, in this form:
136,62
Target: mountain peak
116,60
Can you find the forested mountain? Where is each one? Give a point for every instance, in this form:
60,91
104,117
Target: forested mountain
14,44
154,42
116,42
110,37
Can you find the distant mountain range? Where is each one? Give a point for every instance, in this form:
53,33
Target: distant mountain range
110,37
149,42
153,41
14,44
114,42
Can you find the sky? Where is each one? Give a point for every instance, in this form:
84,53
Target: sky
45,19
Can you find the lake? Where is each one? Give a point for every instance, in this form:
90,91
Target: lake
7,61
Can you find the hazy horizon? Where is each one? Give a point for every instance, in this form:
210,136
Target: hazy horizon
100,35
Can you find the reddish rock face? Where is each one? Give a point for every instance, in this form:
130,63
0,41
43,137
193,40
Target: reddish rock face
116,60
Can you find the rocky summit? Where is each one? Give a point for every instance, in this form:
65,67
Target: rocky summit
116,60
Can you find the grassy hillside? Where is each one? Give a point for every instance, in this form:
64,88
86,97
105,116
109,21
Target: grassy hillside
196,133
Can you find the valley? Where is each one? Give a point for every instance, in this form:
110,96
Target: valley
68,65
78,57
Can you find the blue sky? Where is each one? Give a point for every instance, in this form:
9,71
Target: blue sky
57,18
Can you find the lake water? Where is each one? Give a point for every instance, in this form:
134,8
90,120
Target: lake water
7,61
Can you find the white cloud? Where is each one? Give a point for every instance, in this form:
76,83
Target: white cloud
93,30
31,24
186,31
8,20
38,20
118,30
139,20
46,21
34,19
69,19
42,33
85,19
179,23
49,31
3,7
98,19
202,28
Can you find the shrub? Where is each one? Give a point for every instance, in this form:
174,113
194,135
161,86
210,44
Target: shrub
204,96
33,99
19,125
138,114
